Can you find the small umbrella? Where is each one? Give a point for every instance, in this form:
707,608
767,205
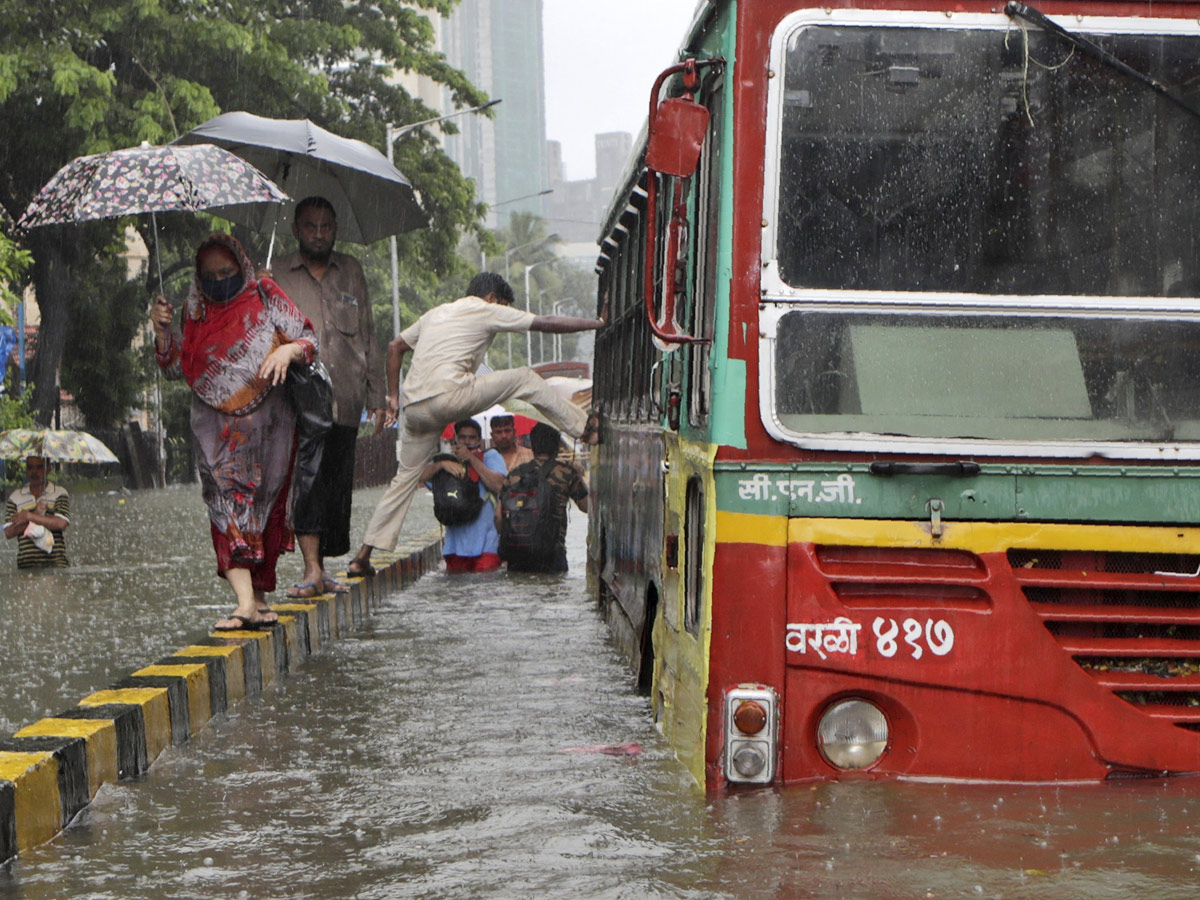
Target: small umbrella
148,179
68,446
371,197
523,424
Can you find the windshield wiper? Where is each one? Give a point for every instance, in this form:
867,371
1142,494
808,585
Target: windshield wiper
1029,14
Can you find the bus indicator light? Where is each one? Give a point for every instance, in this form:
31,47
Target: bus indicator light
751,728
750,717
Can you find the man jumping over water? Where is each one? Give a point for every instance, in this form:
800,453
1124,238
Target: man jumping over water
448,344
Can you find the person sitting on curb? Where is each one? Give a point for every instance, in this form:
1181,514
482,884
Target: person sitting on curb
36,515
448,344
473,546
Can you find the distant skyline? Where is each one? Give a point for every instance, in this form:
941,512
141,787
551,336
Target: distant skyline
600,62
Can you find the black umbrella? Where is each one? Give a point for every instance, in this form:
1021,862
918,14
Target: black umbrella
371,197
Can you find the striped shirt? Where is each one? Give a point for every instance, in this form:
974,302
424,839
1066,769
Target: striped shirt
56,502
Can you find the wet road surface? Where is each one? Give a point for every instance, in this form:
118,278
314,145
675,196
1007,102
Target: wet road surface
450,751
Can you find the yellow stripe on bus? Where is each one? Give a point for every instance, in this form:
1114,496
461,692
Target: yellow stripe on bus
745,528
976,537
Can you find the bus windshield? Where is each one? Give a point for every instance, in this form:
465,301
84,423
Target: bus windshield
989,377
988,162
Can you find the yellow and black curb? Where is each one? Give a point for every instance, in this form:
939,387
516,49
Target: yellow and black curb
51,770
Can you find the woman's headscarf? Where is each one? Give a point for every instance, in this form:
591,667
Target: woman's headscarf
195,303
225,343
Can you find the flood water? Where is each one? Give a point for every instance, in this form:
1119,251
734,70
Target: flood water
449,750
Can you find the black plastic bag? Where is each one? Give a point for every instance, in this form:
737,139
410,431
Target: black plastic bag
310,392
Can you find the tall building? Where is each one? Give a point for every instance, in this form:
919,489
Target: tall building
612,152
498,46
576,208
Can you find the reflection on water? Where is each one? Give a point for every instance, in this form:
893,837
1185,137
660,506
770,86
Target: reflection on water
141,585
420,759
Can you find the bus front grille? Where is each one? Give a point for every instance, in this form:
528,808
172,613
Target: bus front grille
1130,620
904,578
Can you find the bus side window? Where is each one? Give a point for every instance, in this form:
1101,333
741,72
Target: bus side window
639,333
616,345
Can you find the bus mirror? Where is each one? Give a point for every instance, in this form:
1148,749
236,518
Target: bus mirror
678,126
676,135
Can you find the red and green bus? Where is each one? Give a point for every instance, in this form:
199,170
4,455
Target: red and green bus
900,393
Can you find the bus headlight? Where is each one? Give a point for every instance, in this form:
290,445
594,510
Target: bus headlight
751,726
852,734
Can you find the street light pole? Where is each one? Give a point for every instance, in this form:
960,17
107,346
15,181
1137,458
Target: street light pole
402,130
392,134
528,336
390,138
555,310
541,193
542,334
508,277
509,252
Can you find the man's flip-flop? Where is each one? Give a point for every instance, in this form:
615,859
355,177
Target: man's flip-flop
303,591
364,571
267,623
332,586
248,624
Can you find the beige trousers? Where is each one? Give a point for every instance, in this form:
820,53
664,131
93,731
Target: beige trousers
425,420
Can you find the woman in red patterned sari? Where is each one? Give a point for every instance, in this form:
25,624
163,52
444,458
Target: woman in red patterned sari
239,337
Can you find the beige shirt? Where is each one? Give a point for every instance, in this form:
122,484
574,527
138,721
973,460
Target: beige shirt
339,308
450,341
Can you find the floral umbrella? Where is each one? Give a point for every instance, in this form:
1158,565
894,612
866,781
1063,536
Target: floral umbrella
148,179
68,446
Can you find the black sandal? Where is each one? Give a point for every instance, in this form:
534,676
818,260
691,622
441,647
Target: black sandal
364,571
247,624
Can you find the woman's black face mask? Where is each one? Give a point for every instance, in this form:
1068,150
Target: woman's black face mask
222,289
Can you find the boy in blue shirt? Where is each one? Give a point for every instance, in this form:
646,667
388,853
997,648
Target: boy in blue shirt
474,547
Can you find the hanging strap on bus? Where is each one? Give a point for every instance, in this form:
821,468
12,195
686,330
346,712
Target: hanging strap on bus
677,127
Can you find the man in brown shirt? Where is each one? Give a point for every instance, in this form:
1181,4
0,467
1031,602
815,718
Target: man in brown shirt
330,288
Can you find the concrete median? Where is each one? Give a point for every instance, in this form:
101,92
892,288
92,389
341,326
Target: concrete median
51,770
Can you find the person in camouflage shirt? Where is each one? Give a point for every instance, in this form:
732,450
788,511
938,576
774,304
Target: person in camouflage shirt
566,484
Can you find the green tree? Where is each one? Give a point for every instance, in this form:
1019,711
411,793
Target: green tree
14,411
85,76
13,263
109,311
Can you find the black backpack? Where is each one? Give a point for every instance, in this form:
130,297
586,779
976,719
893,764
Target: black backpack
456,499
528,532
